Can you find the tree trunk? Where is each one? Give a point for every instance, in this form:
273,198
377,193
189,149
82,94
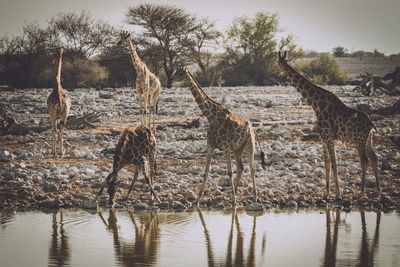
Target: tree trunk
169,81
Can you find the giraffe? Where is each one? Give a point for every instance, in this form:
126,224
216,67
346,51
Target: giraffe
58,105
336,121
227,132
136,146
147,83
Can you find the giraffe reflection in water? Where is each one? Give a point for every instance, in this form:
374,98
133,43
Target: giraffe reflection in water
367,251
238,258
59,249
144,248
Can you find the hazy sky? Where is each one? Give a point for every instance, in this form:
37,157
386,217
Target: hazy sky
317,24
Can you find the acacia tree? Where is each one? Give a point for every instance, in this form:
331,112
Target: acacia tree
200,40
251,45
80,34
82,38
162,26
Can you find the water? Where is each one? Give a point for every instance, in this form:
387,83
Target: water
200,238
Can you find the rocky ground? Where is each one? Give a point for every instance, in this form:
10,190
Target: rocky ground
295,175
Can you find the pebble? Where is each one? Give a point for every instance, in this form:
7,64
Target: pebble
294,177
179,206
255,207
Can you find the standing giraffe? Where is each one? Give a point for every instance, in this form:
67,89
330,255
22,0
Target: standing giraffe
58,105
336,121
147,83
138,147
228,132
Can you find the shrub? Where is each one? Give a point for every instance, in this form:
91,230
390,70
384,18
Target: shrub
324,70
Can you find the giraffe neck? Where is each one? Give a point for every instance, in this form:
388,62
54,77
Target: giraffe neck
208,106
58,77
304,86
134,56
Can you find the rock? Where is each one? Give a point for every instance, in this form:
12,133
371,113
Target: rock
9,175
179,206
138,205
255,207
163,205
152,208
50,188
386,200
89,205
49,203
219,206
6,155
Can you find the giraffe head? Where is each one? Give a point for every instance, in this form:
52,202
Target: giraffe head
282,59
124,35
56,54
181,70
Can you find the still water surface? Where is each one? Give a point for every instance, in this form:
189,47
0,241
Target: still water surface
200,238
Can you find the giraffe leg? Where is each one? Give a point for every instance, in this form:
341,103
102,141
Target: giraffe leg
327,159
111,190
228,155
150,111
60,137
210,152
54,136
153,165
250,159
111,176
135,176
364,164
239,167
332,154
141,109
155,106
373,160
145,99
143,168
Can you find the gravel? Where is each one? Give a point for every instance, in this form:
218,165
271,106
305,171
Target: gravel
294,177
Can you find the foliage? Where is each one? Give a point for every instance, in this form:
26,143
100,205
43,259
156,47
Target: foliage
26,61
201,40
83,36
342,52
250,56
117,62
324,70
339,51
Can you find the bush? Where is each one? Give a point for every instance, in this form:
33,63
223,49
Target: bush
324,70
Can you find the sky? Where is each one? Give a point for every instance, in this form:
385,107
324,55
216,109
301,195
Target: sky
317,25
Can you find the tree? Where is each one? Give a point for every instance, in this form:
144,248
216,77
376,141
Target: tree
118,63
162,26
339,51
23,57
80,34
200,40
251,45
323,70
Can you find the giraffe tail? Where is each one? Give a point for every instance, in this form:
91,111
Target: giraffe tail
262,154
